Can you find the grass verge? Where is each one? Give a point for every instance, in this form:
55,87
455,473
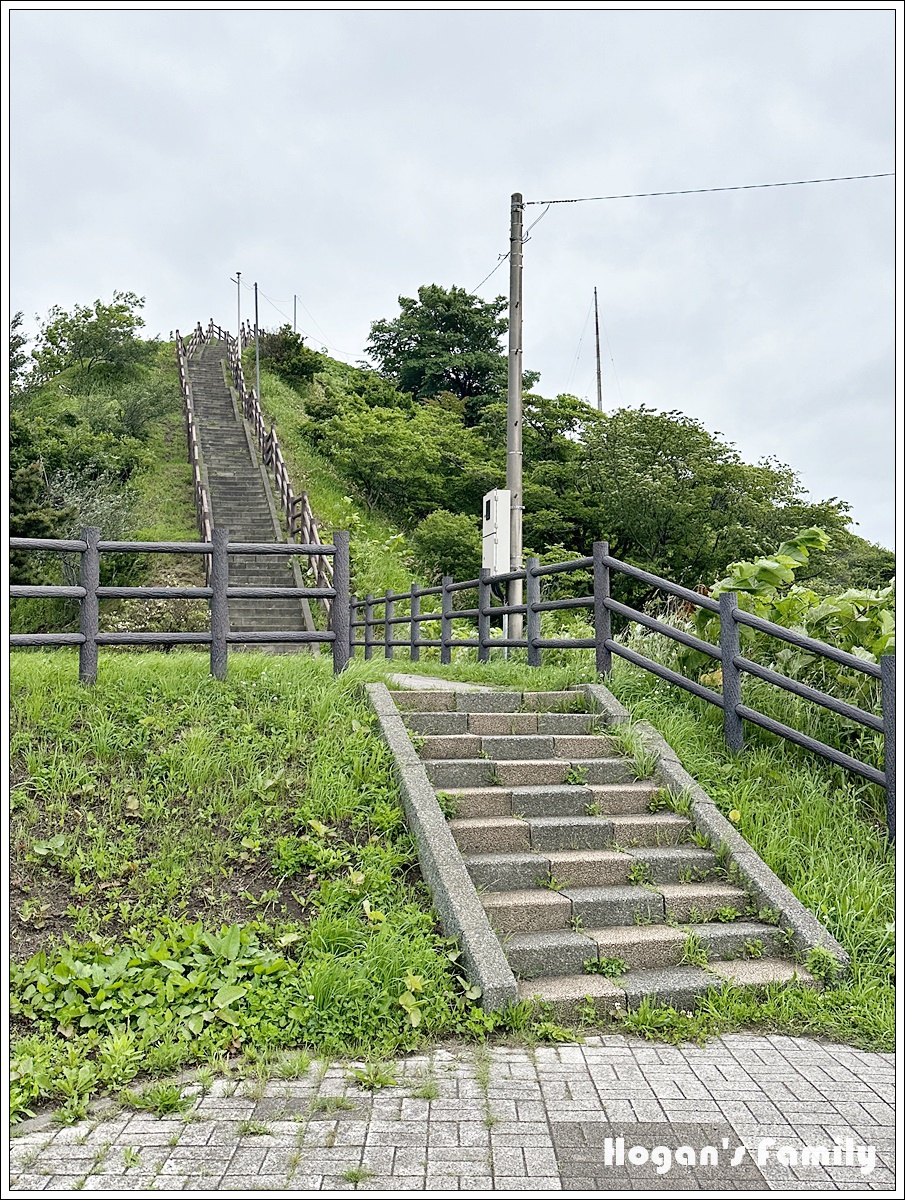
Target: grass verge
202,866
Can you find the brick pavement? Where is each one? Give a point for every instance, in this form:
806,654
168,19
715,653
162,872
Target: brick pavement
613,1113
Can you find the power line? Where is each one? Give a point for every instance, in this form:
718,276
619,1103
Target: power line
739,187
503,258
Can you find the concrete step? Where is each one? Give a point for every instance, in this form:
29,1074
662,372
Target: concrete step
700,902
668,945
673,864
504,724
561,868
558,800
459,773
518,746
649,829
680,987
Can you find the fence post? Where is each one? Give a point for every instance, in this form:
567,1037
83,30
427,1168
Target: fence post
446,620
219,603
484,603
888,694
369,625
733,730
603,622
387,627
341,609
533,623
354,605
414,626
89,613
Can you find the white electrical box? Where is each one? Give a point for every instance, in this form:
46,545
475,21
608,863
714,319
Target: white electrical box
495,528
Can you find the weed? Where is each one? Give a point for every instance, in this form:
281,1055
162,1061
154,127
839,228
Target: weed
754,948
594,809
292,1065
577,775
726,914
494,778
448,805
769,916
331,1104
357,1174
700,839
251,1128
694,952
160,1099
612,968
426,1089
640,873
822,964
374,1076
549,1031
131,1157
550,882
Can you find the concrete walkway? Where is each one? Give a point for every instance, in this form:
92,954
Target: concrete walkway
750,1113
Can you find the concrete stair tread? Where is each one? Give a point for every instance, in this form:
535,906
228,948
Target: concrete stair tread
762,972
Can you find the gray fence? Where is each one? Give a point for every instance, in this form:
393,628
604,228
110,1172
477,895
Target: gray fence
218,593
600,606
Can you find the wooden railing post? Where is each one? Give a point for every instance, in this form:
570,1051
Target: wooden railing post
340,611
387,627
369,625
446,621
533,623
603,624
484,602
730,648
888,694
414,625
89,611
219,577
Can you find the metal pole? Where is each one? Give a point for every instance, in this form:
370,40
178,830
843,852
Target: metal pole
239,310
219,602
485,600
369,625
341,611
257,351
888,686
89,613
603,624
446,621
597,333
733,730
293,311
514,408
532,590
414,626
388,630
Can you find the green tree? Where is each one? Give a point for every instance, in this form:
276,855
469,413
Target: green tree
448,543
18,358
96,342
284,352
445,341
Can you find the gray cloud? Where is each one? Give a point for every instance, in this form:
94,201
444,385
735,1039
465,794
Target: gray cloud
350,156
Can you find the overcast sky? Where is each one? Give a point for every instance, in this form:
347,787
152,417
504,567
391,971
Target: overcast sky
350,156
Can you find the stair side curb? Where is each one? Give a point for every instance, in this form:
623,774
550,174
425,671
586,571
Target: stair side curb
460,911
766,887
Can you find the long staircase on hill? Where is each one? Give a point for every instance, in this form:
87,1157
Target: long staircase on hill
594,886
241,501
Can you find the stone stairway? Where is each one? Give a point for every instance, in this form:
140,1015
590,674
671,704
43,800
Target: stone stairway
241,500
597,889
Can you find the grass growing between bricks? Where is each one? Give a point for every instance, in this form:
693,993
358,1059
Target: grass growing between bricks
203,867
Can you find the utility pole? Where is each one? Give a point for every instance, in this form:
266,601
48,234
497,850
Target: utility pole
238,282
514,408
257,350
294,298
597,332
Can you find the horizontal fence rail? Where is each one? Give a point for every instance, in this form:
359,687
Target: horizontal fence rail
217,550
379,634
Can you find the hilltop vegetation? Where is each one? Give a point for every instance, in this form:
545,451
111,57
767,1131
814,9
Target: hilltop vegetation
422,438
